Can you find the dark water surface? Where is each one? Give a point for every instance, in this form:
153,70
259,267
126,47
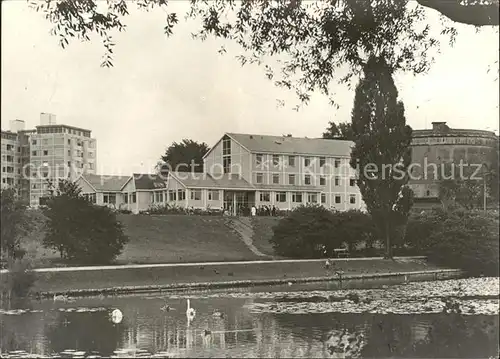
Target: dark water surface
289,321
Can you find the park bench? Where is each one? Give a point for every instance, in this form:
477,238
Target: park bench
341,252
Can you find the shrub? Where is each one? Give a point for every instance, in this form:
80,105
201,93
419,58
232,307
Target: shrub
304,232
80,231
313,231
20,279
458,238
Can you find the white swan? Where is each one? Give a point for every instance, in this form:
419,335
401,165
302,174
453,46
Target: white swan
190,312
116,316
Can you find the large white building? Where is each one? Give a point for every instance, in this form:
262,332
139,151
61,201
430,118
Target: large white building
241,171
32,158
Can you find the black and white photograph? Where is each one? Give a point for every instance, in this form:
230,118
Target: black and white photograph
250,179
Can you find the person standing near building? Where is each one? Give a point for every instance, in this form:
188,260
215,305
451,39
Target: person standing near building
254,211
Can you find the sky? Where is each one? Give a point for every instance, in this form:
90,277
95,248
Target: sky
162,90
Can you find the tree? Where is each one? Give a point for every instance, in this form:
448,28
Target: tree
305,233
12,215
461,185
316,38
185,156
79,230
342,131
458,238
381,152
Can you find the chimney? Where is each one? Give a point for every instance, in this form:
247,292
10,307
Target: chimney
47,119
439,127
16,125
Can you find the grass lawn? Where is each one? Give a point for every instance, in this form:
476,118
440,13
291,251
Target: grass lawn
180,238
164,239
263,231
100,279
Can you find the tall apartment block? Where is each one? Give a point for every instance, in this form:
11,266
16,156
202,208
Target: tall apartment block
43,155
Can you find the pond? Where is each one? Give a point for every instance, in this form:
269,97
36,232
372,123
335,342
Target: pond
449,318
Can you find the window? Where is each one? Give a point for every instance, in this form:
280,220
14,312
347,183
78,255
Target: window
226,146
33,153
322,161
125,198
181,195
322,181
45,142
352,199
109,198
291,179
69,141
352,182
307,179
337,199
134,197
34,186
19,149
258,159
307,161
45,153
159,197
265,196
258,177
172,195
291,161
276,160
337,181
227,164
297,197
213,195
196,195
69,163
91,197
276,179
337,163
280,196
312,197
33,142
323,197
427,193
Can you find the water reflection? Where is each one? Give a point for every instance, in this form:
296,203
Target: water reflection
86,327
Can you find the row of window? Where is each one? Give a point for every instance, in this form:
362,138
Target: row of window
45,142
42,130
277,160
276,179
298,197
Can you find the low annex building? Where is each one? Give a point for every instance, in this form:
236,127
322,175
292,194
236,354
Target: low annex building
135,193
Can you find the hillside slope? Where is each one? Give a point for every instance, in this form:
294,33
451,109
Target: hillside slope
180,238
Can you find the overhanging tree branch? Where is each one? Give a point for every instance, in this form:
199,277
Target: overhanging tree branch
470,12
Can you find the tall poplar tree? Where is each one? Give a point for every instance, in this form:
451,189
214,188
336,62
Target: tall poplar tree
381,151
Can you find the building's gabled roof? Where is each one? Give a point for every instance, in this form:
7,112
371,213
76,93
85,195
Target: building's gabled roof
293,145
205,180
149,181
105,183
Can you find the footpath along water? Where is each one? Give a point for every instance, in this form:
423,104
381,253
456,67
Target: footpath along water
449,318
142,278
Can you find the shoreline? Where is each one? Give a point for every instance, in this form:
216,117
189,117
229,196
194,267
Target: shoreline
411,276
144,278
